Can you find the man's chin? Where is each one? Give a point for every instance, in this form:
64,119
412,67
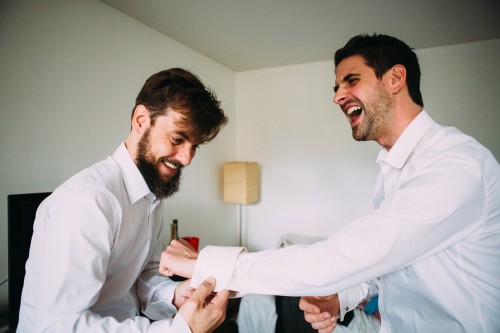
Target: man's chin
167,185
165,179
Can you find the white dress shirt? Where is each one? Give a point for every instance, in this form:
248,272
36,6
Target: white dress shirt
93,262
431,247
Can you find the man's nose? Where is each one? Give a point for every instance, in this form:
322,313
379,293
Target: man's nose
339,96
185,154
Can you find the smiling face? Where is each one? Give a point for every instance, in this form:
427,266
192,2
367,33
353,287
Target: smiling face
363,99
163,149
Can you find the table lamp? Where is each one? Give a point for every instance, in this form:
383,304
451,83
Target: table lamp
241,186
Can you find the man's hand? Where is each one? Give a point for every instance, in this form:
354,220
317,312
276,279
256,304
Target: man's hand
321,311
204,310
181,248
182,293
179,258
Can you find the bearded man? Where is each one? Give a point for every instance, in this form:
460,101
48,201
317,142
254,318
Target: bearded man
93,262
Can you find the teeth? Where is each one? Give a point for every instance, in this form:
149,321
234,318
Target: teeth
352,109
171,165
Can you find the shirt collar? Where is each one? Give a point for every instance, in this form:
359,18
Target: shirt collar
134,182
401,150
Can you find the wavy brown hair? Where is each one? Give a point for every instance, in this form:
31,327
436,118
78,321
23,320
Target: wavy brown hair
184,92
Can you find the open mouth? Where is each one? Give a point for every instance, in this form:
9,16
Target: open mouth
171,166
353,113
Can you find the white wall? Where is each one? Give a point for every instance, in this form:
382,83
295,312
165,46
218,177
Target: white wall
315,177
460,86
70,72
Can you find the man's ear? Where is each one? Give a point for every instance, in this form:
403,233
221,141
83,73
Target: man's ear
140,119
397,78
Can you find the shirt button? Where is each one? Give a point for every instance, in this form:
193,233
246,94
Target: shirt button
346,308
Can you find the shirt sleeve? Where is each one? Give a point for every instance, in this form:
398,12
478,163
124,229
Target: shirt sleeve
221,269
156,293
176,325
72,266
155,290
434,207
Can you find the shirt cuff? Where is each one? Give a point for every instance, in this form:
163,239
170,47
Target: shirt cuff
348,301
217,262
162,304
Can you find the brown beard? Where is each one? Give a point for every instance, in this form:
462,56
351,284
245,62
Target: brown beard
149,169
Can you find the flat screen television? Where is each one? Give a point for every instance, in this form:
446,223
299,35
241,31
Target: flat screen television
21,210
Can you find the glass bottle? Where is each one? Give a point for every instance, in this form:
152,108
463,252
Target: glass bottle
173,230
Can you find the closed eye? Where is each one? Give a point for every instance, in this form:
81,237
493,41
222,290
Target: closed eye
353,81
176,140
350,80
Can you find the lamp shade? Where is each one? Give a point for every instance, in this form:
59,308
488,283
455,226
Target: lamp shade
241,182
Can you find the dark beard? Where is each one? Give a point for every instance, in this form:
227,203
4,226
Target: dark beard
149,169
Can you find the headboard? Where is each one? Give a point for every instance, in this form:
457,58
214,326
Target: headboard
21,215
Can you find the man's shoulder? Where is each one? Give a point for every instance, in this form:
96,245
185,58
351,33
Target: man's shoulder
102,176
447,140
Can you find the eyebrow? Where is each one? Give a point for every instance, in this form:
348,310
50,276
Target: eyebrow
346,78
190,138
184,135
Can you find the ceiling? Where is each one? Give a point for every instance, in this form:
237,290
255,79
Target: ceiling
252,34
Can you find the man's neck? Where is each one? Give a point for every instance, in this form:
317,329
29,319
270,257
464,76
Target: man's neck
402,117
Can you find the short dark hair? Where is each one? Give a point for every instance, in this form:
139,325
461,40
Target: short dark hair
382,52
184,92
